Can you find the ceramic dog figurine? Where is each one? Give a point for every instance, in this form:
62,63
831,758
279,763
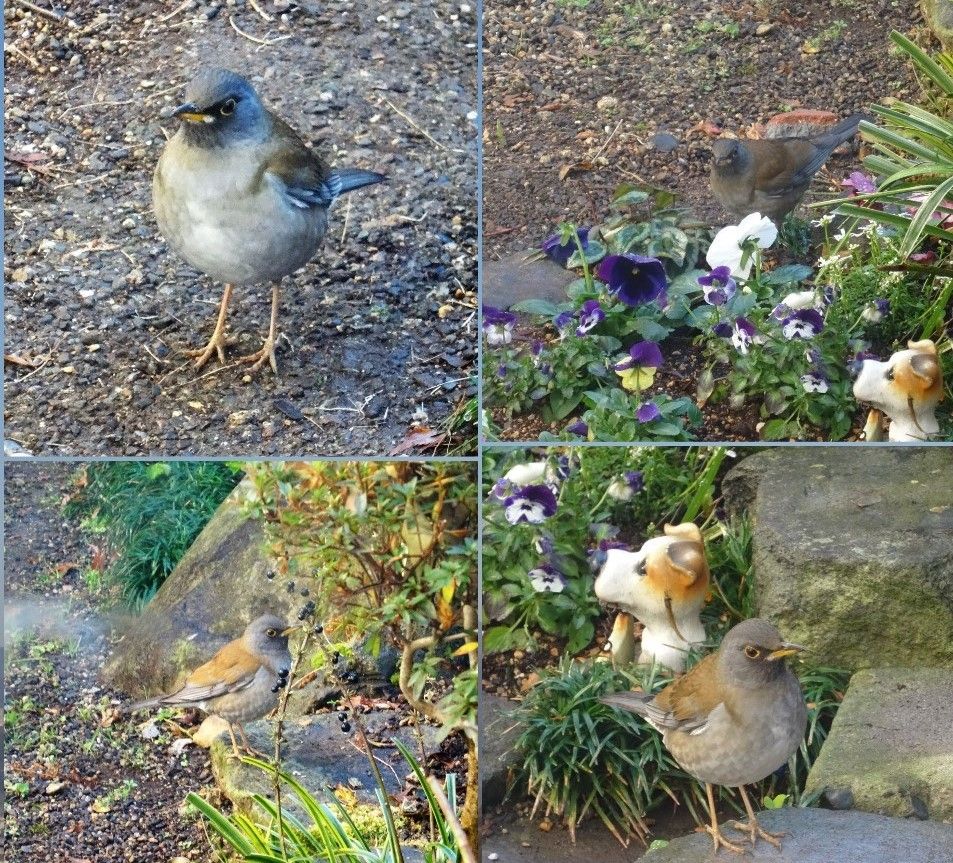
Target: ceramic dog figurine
664,584
907,388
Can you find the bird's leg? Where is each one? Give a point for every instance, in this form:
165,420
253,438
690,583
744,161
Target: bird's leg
753,828
267,351
713,830
234,743
216,344
246,745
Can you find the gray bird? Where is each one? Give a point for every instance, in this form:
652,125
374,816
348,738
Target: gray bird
239,196
734,719
241,681
771,176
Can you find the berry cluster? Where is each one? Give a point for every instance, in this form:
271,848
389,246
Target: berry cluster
281,681
342,718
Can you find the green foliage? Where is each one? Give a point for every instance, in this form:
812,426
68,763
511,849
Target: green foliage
388,551
149,513
679,485
328,831
580,756
913,157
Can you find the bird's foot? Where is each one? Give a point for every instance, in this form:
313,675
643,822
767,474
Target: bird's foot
720,842
258,359
755,830
216,345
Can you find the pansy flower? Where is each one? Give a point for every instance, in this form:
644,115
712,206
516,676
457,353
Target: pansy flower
723,330
814,382
735,246
637,371
859,183
563,320
647,412
545,578
598,554
718,286
857,361
556,250
634,279
874,311
590,314
800,300
532,504
626,486
803,324
498,326
742,335
529,473
578,428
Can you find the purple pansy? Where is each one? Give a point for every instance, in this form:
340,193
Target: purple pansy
579,428
626,486
645,355
597,555
780,312
875,311
532,504
590,314
803,324
828,294
718,286
647,412
498,325
742,335
723,330
634,279
545,578
501,488
560,252
857,362
563,320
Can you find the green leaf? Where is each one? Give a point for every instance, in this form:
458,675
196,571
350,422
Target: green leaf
790,274
537,307
651,330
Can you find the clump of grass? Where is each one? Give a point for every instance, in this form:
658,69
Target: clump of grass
149,514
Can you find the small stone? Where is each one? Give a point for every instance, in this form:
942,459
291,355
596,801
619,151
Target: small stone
607,103
54,788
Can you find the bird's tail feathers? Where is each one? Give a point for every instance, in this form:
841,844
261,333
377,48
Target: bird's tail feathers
349,179
634,702
142,705
843,130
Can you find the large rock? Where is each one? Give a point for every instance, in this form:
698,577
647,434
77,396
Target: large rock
939,17
321,756
513,278
822,836
217,588
851,550
890,749
498,733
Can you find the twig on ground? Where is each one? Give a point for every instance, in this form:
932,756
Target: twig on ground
52,14
406,117
254,5
255,39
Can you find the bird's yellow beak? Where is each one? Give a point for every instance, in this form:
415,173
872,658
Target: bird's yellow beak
291,629
786,649
191,114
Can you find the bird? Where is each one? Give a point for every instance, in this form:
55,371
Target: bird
770,176
239,196
733,719
241,681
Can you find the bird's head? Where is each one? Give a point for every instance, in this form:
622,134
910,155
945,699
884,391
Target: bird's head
268,636
729,155
221,107
753,653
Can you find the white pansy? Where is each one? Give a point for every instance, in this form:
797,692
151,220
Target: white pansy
728,247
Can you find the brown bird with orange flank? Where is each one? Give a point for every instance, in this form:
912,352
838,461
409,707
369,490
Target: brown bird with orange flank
241,682
734,719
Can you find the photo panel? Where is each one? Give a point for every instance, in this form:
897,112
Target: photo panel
241,229
716,222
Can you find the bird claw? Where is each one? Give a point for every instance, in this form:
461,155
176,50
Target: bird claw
755,830
216,344
720,842
258,358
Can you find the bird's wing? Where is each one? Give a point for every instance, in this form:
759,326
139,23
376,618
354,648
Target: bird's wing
786,165
305,178
230,670
687,703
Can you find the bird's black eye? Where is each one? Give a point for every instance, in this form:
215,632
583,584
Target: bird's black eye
752,652
271,633
228,107
640,568
889,374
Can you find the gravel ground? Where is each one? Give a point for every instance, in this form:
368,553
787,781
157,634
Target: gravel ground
379,330
579,81
81,787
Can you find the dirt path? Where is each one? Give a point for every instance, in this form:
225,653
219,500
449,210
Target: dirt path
81,787
580,80
378,331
